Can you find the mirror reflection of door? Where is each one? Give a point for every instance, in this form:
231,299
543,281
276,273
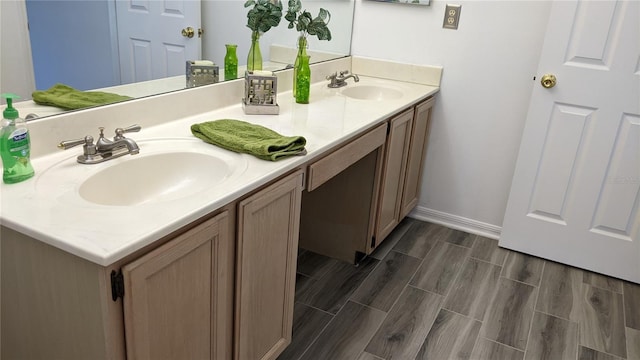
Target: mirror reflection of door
80,43
150,39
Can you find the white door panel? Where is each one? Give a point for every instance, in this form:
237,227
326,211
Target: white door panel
576,188
150,37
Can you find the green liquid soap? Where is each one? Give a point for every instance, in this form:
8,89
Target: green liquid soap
15,145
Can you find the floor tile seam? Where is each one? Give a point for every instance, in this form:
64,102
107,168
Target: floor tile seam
459,273
363,280
321,331
453,281
557,317
386,314
518,281
411,256
404,253
314,277
369,306
415,272
443,297
316,308
624,315
498,342
441,303
442,307
460,246
604,352
535,303
478,335
504,261
487,262
600,287
316,338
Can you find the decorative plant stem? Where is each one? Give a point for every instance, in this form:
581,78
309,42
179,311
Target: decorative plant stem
264,15
304,23
302,51
254,57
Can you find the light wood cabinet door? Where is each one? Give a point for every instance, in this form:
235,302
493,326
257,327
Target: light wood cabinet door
415,160
393,174
175,303
267,245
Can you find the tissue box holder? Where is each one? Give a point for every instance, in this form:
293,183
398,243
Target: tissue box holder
260,93
201,74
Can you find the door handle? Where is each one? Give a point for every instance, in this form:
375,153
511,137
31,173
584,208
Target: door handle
188,32
548,81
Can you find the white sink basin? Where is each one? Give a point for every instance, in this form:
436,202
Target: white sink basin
165,170
371,92
155,177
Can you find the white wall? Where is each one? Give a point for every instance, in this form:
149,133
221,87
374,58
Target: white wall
73,42
16,73
489,64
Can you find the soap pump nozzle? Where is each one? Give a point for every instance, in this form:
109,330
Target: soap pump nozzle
10,113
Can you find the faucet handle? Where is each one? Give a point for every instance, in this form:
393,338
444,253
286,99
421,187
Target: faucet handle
344,72
130,128
332,76
121,131
68,144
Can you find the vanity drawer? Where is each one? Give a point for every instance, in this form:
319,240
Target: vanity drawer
328,167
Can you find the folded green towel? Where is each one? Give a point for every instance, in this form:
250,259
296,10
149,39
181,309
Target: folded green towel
68,98
240,136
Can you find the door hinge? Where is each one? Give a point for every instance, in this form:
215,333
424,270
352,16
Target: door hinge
117,285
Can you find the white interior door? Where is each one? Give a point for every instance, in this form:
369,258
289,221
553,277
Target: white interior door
150,39
576,188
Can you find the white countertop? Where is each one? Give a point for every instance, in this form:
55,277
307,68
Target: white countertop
52,213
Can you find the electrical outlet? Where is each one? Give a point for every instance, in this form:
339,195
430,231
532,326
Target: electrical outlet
451,16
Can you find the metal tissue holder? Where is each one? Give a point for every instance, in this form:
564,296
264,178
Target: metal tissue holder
260,93
201,72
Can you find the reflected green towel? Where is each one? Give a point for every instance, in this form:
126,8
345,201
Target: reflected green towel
240,136
68,98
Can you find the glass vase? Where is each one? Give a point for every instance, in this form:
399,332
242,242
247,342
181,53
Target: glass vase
303,80
302,51
254,58
231,62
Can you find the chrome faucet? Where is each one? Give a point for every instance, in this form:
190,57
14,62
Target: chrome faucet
339,80
104,149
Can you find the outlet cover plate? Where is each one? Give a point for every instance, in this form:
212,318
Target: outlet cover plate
451,16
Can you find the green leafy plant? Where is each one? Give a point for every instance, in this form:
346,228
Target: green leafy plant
264,15
305,23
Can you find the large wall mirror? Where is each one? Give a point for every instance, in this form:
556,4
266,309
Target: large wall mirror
112,44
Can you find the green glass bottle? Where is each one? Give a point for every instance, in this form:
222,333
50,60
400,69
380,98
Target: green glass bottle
14,145
231,62
254,58
302,51
303,80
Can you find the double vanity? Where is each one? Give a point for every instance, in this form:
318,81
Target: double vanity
186,250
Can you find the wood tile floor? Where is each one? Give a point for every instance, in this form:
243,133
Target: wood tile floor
430,292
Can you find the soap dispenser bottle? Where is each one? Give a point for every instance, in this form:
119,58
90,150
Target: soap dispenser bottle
14,145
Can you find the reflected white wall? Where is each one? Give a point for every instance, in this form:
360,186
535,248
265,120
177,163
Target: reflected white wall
16,75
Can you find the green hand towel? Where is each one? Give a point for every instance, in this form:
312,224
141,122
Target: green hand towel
244,137
68,98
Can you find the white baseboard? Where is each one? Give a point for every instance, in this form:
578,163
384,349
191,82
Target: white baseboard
456,222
